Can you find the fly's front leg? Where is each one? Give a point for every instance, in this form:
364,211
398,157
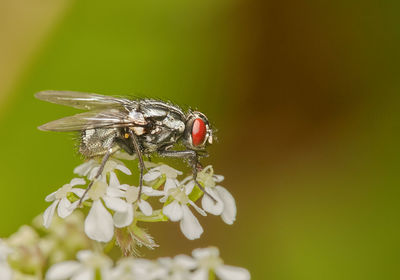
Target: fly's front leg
98,174
193,158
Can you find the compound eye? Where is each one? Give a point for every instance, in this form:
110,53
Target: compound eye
199,131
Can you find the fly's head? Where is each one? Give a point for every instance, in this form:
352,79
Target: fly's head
198,133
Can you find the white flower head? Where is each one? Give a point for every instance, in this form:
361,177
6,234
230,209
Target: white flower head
208,259
61,201
178,210
84,268
225,203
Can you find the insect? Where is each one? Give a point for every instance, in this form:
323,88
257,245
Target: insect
137,126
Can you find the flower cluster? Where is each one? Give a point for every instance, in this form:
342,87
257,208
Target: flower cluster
63,251
114,206
73,237
203,262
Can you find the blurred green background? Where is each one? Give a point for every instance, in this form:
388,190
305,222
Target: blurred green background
305,96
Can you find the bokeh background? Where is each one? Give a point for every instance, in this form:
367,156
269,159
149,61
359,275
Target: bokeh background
305,96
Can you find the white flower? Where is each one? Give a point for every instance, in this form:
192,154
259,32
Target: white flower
59,198
90,168
99,224
83,269
6,272
179,267
208,259
159,170
131,194
132,268
225,206
178,210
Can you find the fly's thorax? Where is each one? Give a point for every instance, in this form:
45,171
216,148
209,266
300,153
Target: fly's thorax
162,129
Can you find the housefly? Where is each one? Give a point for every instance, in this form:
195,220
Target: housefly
139,127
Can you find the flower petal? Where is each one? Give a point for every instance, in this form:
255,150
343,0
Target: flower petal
113,182
93,172
49,213
200,274
84,255
63,270
85,274
6,271
229,213
65,208
116,204
197,208
185,262
123,169
189,187
152,192
210,205
77,181
218,178
228,272
99,224
145,207
187,179
116,191
189,224
170,184
78,191
203,253
85,167
169,171
51,197
151,175
173,211
123,219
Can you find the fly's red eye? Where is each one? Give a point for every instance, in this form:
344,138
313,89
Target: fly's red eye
198,132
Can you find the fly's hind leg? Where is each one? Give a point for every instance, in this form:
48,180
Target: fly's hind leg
194,162
109,152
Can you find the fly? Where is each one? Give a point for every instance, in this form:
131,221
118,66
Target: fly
137,126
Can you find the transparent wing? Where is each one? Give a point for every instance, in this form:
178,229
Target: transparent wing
93,119
82,100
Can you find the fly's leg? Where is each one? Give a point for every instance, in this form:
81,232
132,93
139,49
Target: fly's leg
194,162
141,162
98,174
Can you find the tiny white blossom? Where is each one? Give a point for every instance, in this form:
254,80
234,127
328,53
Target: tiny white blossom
61,202
208,259
131,194
90,168
99,224
170,174
179,267
178,210
84,268
225,205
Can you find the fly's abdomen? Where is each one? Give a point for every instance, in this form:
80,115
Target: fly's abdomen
96,142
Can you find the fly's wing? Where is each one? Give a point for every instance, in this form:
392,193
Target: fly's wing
84,101
95,119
